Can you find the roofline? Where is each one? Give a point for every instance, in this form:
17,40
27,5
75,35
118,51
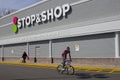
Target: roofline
72,4
25,8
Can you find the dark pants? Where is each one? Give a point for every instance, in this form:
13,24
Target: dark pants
24,60
63,61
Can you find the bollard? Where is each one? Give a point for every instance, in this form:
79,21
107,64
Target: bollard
2,59
35,60
52,60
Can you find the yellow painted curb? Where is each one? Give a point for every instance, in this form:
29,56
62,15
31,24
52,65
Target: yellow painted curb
77,68
30,64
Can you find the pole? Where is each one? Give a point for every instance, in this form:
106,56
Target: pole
50,50
2,51
117,45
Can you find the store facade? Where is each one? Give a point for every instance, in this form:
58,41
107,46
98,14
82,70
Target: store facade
89,27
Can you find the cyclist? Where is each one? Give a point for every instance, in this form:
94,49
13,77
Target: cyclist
64,56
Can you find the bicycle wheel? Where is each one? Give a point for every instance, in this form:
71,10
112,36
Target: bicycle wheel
59,68
70,70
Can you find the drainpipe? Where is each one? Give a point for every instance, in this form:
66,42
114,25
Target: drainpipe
117,45
50,51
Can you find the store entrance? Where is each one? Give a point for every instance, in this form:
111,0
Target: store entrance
37,51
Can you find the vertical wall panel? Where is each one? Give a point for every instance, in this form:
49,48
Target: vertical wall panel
14,50
41,49
94,46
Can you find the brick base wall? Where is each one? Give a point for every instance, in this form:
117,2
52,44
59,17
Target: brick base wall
10,59
104,62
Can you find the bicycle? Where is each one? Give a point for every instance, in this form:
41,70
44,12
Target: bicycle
68,68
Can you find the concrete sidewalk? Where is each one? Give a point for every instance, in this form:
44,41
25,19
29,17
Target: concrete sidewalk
53,66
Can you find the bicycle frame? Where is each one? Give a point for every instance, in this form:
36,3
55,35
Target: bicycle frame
69,69
67,63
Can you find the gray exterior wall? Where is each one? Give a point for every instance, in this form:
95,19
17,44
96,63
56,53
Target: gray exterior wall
0,51
89,11
15,50
40,48
95,46
92,12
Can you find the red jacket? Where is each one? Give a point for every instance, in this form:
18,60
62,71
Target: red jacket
65,52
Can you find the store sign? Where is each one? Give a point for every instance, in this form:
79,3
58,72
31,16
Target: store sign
48,15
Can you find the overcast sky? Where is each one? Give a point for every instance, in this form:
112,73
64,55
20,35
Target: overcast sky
16,4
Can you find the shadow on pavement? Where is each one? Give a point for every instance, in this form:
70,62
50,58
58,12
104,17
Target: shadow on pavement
101,76
89,75
45,78
76,76
83,75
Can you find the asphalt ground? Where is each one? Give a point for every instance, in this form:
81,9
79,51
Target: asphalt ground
21,72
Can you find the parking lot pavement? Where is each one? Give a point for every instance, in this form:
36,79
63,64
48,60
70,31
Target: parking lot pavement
18,72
